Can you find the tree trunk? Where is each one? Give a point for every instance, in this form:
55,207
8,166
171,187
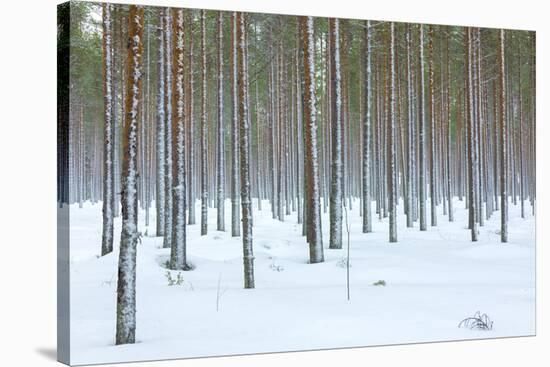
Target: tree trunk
220,176
392,187
108,143
336,135
422,138
433,174
503,142
126,286
235,218
178,247
367,96
311,169
244,127
168,206
161,121
204,132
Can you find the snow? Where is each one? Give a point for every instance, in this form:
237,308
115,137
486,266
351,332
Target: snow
434,280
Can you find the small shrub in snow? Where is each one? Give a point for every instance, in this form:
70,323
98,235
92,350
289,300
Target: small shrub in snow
343,263
276,267
477,322
178,280
380,283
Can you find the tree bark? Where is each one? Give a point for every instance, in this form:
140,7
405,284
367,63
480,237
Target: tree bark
244,127
126,285
178,247
108,141
336,135
313,210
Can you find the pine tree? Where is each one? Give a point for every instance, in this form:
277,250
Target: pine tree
336,134
220,159
367,128
392,185
178,246
108,128
422,138
126,286
431,100
235,217
244,127
311,167
204,131
503,141
191,119
472,157
411,134
168,170
161,121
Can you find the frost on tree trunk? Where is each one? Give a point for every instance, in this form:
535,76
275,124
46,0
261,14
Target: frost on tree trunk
235,216
392,187
168,208
108,152
366,157
336,135
177,253
160,189
220,159
126,286
503,141
204,131
244,127
311,168
422,138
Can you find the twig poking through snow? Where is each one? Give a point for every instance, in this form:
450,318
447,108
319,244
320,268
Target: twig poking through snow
477,322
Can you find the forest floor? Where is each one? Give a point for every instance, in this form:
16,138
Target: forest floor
434,280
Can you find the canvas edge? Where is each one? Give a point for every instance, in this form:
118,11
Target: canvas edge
63,106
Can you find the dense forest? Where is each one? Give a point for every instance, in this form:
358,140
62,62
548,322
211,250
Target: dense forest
304,117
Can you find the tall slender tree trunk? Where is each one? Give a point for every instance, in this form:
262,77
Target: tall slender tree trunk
472,157
220,174
433,174
336,135
235,217
168,206
367,127
410,134
450,174
311,169
178,247
161,122
126,285
191,119
204,131
108,141
503,141
422,138
392,184
244,127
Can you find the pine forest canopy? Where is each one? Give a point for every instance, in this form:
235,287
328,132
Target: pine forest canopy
170,107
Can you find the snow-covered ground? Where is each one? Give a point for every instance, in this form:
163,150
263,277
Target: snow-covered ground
434,279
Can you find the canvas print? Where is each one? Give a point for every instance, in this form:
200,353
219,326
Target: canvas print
235,183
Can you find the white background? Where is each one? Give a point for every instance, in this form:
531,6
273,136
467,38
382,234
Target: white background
28,183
